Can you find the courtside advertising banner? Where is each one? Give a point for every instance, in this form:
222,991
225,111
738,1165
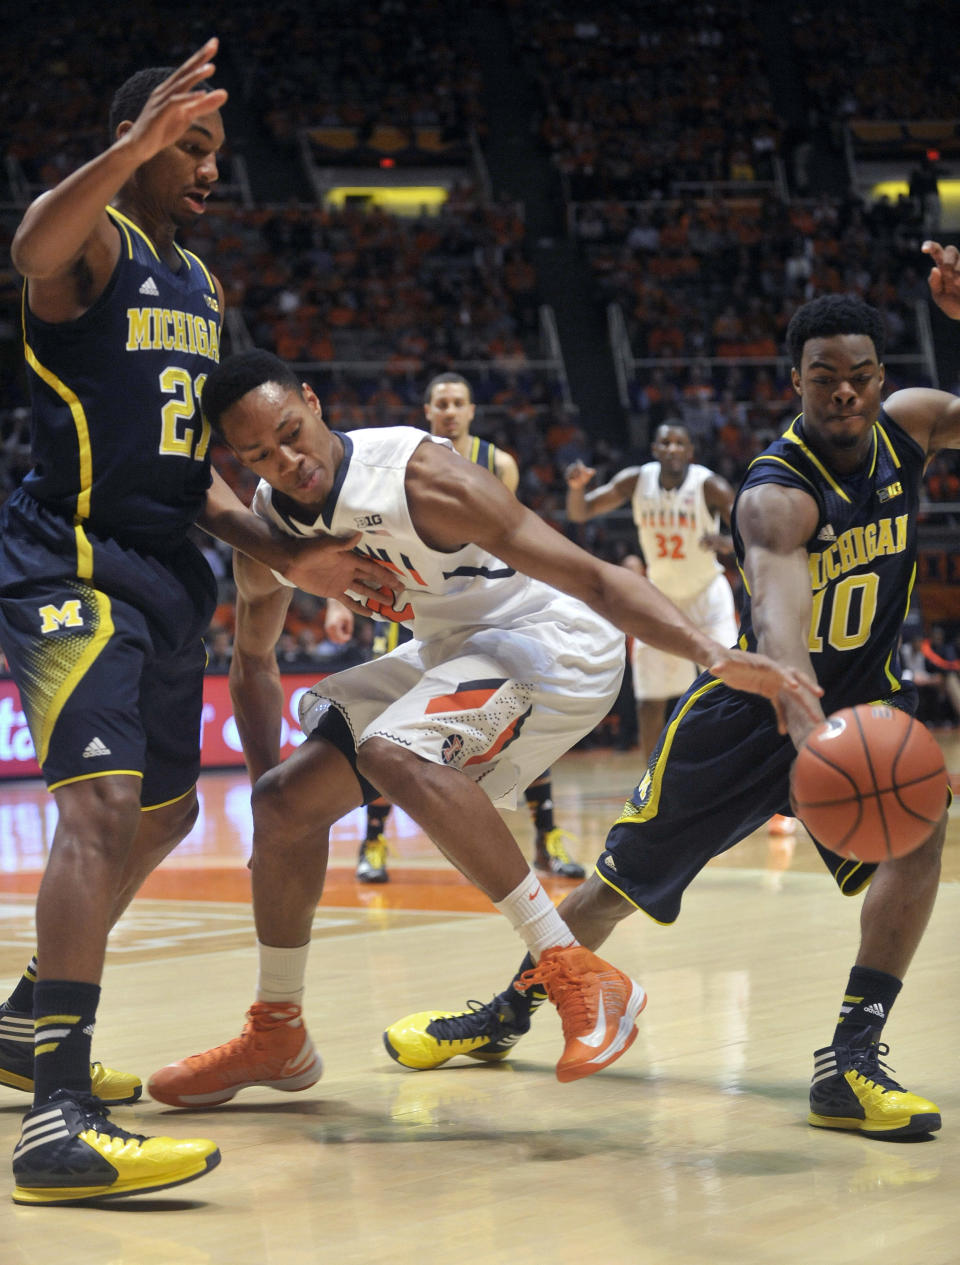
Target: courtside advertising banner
220,742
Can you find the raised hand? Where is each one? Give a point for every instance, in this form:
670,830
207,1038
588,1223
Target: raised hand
578,475
175,104
944,279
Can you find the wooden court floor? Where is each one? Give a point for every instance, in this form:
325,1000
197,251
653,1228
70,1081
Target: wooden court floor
692,1149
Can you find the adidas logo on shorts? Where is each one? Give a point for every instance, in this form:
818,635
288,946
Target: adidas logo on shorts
95,748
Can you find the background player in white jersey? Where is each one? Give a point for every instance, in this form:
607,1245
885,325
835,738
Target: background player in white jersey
503,675
449,409
678,507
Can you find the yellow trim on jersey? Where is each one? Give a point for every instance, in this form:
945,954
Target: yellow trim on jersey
124,231
43,1020
79,422
475,442
84,553
780,461
45,1048
74,676
88,777
620,892
652,805
890,447
791,435
123,220
188,255
152,808
895,684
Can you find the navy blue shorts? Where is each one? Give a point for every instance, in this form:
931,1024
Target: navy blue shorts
105,645
720,771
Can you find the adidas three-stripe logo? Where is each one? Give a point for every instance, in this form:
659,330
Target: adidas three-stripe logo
16,1028
95,747
45,1126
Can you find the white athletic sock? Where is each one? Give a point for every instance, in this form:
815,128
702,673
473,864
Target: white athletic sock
281,973
533,915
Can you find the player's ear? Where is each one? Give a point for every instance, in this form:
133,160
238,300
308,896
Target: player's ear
795,379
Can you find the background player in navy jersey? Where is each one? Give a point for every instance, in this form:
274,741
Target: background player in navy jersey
449,409
513,659
103,600
824,529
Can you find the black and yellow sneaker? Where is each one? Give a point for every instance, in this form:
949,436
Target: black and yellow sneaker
852,1089
372,861
433,1037
552,856
69,1152
110,1087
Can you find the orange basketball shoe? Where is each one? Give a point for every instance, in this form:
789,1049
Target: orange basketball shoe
597,1003
274,1050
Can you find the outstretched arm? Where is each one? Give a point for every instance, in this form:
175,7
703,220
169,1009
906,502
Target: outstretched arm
450,506
775,523
583,505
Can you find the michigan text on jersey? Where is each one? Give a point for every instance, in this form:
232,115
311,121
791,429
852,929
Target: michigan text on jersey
167,329
857,547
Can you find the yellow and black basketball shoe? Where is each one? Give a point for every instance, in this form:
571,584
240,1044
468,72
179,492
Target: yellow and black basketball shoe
551,855
372,861
69,1152
111,1088
852,1089
433,1037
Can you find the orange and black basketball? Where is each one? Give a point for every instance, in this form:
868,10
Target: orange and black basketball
869,783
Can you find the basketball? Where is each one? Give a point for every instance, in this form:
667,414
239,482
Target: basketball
869,783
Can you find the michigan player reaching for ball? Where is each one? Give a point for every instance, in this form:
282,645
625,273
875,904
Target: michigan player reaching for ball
825,535
512,661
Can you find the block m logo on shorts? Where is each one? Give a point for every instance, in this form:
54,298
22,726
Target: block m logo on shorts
66,616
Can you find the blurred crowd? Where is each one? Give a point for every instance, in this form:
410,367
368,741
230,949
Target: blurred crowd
676,152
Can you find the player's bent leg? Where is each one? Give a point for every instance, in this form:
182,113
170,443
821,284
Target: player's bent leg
69,1151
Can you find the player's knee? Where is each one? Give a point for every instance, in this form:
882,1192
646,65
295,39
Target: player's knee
282,816
101,814
386,766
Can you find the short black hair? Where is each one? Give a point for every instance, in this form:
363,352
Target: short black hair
130,98
237,375
446,377
833,314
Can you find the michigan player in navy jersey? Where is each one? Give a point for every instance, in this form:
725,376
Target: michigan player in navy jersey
513,659
449,408
824,527
103,599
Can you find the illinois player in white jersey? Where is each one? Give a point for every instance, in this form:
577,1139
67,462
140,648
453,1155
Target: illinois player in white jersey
514,657
449,410
678,507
